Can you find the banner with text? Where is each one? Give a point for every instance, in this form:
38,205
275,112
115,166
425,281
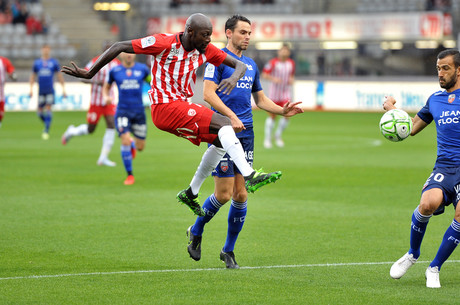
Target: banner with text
368,27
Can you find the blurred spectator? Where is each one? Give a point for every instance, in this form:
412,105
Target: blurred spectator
6,15
3,5
34,25
20,12
439,5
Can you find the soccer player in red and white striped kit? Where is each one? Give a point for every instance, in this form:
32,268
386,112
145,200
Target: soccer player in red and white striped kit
175,59
6,68
280,72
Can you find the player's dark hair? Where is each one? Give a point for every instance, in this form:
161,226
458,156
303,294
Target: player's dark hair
451,52
232,21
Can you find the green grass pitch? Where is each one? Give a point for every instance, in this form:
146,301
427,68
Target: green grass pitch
326,233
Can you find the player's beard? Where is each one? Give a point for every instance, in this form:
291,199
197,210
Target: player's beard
450,84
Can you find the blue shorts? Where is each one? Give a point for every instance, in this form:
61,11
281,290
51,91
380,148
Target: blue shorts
45,99
226,167
448,180
129,121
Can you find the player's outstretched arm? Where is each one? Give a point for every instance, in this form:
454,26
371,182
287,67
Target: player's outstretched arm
105,58
227,85
263,102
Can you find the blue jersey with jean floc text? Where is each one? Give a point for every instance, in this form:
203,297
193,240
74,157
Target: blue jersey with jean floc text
239,100
45,69
129,82
443,108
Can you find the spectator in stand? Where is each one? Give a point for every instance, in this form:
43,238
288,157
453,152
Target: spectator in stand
20,13
33,25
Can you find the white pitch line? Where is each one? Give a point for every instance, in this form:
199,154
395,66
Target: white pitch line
205,269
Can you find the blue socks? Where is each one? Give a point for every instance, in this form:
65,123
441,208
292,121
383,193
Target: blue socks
127,158
211,206
236,218
417,231
449,243
46,117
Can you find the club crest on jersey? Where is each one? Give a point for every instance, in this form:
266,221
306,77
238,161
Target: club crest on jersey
194,58
129,72
224,166
147,42
451,98
191,112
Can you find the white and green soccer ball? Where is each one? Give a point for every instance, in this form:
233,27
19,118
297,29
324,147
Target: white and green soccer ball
395,125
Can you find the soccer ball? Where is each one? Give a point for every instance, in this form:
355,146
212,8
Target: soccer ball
395,125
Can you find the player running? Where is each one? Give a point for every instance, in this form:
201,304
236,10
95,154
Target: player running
175,59
130,114
44,69
228,181
280,72
6,68
443,185
98,107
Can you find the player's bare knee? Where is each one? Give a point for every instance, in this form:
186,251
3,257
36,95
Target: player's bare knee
240,197
140,146
223,196
428,207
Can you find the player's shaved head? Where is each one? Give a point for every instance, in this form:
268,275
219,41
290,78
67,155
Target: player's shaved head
197,34
197,22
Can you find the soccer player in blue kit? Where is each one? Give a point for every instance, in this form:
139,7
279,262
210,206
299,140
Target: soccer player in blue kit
229,183
443,185
130,114
44,69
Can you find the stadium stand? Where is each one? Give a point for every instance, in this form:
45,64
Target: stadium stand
76,31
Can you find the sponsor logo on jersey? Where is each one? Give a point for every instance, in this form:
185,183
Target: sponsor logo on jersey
147,42
451,98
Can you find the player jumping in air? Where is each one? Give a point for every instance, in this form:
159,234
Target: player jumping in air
443,185
175,59
229,183
130,115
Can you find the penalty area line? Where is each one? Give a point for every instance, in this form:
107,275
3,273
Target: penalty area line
205,269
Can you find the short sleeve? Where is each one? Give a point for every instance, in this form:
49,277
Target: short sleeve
425,113
151,45
214,55
9,66
212,73
256,86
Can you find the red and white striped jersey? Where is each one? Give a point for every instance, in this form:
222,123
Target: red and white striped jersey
283,70
173,68
99,78
5,68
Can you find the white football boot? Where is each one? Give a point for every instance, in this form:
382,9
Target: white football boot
402,265
432,277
